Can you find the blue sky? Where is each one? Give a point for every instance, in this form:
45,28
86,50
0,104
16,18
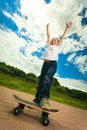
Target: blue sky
23,37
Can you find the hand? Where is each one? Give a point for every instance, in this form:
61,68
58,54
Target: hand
47,26
69,24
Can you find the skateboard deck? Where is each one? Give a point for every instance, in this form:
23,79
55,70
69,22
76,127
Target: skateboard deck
32,105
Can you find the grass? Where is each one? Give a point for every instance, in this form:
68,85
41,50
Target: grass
19,84
16,83
70,101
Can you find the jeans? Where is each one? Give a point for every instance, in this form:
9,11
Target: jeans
45,80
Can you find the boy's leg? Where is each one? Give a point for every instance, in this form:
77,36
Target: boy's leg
45,92
48,78
40,83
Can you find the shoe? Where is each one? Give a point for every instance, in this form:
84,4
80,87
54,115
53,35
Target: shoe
44,104
36,101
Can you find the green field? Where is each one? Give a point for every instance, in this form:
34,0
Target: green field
21,84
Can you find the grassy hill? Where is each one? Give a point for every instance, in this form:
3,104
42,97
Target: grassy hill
16,79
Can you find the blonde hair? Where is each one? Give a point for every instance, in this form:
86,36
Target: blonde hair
53,39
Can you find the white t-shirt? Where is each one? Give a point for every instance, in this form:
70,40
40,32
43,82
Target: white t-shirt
51,52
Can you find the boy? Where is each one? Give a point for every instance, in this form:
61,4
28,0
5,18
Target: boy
49,67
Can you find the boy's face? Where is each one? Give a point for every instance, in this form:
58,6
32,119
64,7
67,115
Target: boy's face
54,41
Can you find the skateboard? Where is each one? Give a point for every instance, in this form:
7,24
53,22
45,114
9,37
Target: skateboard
31,105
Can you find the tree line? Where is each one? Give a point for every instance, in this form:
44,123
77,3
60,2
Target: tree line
32,78
15,72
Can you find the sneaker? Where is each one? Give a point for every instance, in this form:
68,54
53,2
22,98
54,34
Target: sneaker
44,104
36,101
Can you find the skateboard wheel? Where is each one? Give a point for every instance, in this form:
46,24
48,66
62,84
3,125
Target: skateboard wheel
16,111
45,119
45,122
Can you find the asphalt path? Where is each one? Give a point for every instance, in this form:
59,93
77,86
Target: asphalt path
68,118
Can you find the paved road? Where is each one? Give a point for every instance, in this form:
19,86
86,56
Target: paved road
69,118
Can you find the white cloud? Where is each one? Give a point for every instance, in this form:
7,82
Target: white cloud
9,53
81,61
36,9
39,14
71,57
73,84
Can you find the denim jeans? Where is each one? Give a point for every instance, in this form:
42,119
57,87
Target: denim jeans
45,80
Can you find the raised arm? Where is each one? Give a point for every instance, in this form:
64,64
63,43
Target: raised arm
68,25
48,33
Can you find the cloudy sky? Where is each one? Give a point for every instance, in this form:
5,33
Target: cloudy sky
23,37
